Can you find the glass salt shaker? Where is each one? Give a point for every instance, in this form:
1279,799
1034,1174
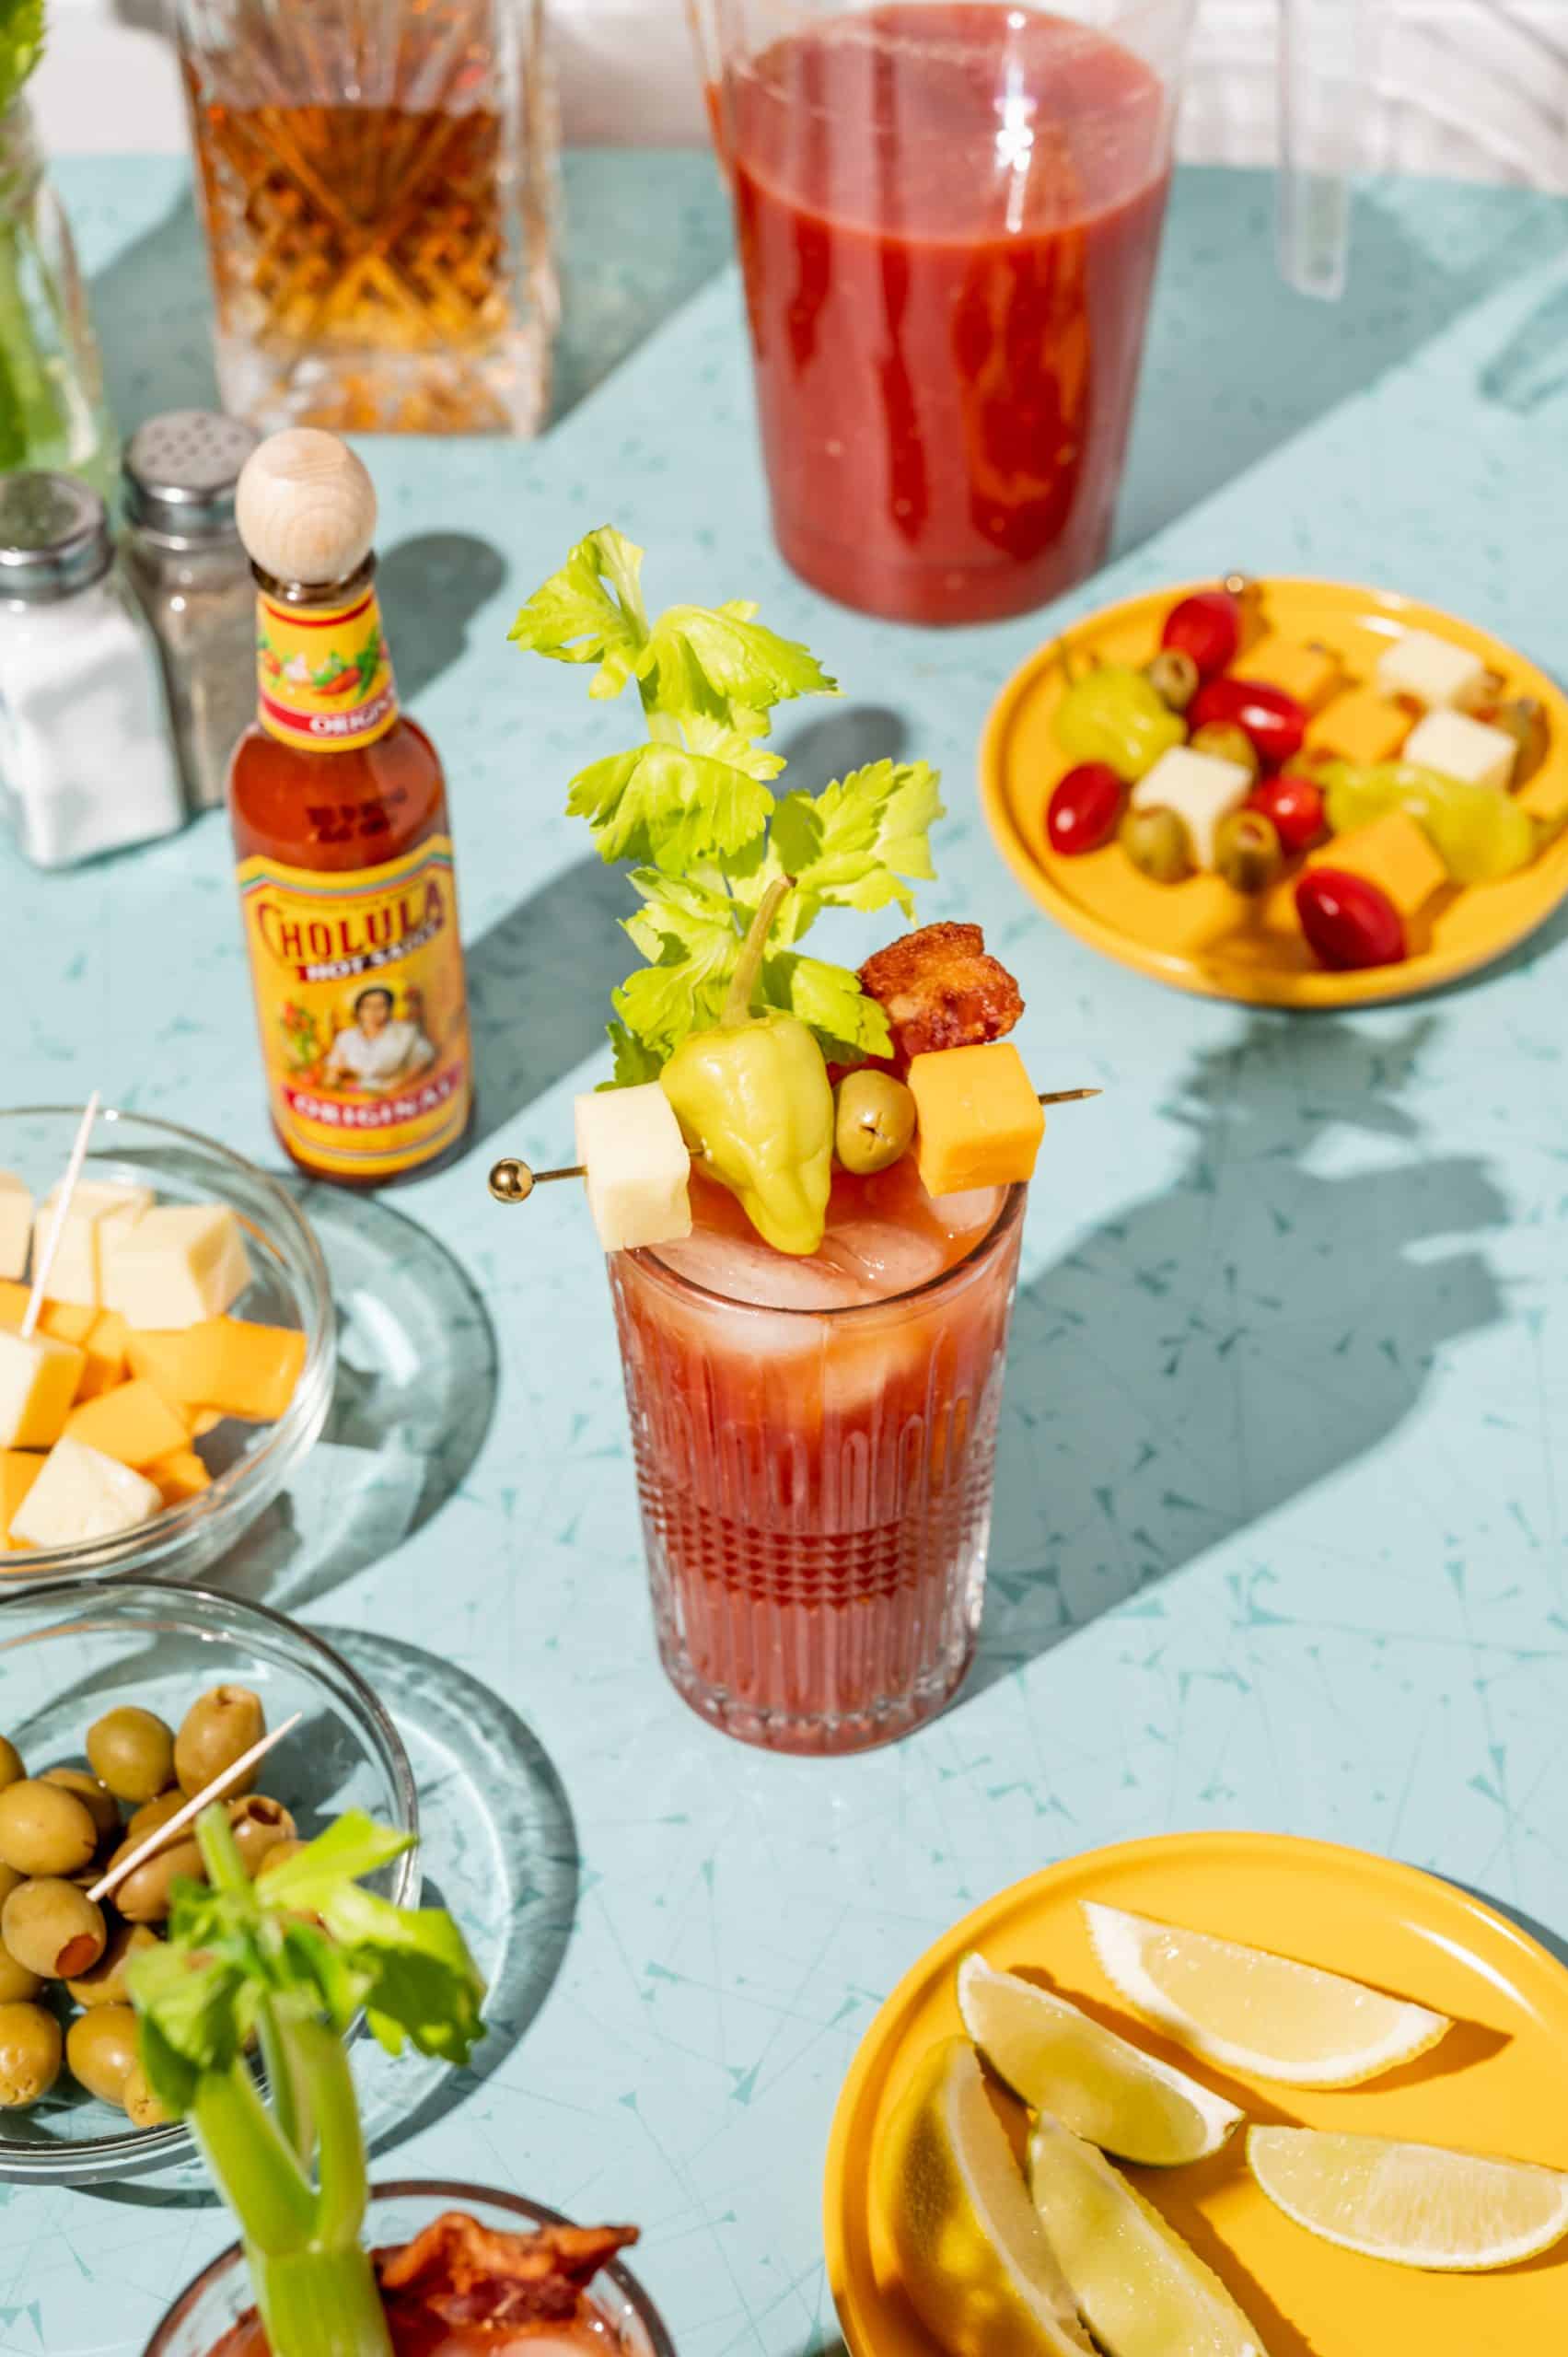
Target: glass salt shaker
86,759
187,566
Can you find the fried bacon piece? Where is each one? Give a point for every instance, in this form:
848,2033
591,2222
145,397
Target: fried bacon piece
941,990
462,2273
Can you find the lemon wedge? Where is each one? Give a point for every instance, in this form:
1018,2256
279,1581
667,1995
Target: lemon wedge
1060,2060
1253,2012
1142,2291
972,2255
1419,2205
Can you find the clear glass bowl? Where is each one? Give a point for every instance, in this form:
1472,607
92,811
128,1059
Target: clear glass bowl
67,1656
250,1463
221,2296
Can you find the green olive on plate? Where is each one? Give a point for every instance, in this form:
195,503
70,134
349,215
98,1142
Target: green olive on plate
54,1928
133,1751
1157,843
104,1982
873,1121
96,1798
46,1829
100,2051
30,2051
217,1729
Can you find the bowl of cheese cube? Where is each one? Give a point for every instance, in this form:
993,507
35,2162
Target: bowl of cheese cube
184,1360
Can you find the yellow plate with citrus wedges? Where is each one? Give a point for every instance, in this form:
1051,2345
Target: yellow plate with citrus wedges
1497,2083
1199,935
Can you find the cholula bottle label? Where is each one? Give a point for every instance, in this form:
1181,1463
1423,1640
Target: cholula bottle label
323,674
359,994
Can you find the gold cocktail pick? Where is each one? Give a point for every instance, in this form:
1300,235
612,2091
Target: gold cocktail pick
513,1181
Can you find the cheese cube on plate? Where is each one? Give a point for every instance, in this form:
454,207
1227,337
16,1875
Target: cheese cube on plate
38,1383
1200,788
179,1476
1308,673
99,1208
221,1367
132,1423
177,1265
639,1166
1395,853
1361,726
1462,747
83,1494
979,1121
1433,670
16,1224
20,1468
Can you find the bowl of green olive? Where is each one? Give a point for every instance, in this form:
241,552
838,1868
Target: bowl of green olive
120,1701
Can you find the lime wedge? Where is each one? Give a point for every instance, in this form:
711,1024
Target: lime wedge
1249,2011
1060,2060
1419,2205
972,2253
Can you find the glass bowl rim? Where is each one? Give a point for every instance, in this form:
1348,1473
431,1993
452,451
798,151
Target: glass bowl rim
119,1558
645,1260
134,2151
453,2193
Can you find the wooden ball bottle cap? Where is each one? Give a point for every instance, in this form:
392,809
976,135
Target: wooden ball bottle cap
306,507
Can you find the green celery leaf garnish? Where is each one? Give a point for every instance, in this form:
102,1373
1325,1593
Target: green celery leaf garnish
848,1025
855,844
591,611
661,802
718,662
21,44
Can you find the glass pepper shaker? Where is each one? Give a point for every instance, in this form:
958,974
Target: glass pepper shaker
186,564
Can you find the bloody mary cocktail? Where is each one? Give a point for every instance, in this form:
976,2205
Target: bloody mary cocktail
949,213
815,1442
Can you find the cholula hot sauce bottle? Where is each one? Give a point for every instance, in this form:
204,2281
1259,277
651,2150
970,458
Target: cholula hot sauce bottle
340,833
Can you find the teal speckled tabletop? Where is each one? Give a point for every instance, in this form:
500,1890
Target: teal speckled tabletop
1280,1535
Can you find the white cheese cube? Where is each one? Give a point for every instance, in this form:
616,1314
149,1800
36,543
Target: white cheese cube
1200,788
1462,747
80,1494
16,1225
177,1265
1432,670
75,1273
38,1383
639,1181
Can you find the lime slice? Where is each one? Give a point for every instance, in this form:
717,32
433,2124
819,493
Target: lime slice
1143,2293
1419,2205
972,2253
1254,2011
1060,2060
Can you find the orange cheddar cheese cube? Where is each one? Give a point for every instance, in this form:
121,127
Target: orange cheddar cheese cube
225,1364
1308,673
980,1122
69,1321
38,1383
1394,852
202,1419
179,1476
104,1345
16,1224
19,1470
134,1424
1360,726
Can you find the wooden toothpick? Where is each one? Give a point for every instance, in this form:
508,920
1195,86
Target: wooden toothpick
161,1839
51,1244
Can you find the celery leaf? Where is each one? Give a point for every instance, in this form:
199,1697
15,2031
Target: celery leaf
590,612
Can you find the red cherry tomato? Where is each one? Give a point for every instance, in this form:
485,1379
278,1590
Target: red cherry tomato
1207,626
1275,722
1084,808
1295,805
1347,921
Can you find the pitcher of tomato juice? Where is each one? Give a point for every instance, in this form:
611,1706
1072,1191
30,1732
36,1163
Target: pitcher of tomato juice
949,213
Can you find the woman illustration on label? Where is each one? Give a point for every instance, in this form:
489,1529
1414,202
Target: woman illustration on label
377,1051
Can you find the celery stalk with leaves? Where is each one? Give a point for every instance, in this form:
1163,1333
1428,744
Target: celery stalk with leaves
693,809
287,1962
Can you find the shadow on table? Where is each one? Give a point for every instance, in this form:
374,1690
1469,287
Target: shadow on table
150,307
431,587
1215,1348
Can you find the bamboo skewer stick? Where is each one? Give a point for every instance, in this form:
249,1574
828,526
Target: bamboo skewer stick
51,1244
161,1839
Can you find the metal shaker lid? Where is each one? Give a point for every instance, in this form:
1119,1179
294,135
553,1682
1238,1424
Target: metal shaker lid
53,537
181,471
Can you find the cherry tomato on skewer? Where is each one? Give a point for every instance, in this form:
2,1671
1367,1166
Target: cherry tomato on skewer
1295,805
1207,626
1348,922
1084,808
1275,722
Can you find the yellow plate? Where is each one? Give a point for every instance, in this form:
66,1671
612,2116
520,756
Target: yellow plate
1200,935
1497,2083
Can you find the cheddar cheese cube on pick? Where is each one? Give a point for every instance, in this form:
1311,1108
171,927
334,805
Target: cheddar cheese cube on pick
1362,727
1462,747
979,1121
221,1367
38,1383
639,1166
99,1207
1431,669
133,1424
20,1468
80,1494
1395,853
1308,673
175,1266
16,1224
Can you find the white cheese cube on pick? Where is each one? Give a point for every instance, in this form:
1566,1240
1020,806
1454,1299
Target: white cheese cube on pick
177,1264
1433,670
1202,790
1462,747
80,1494
16,1224
38,1384
98,1205
639,1168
